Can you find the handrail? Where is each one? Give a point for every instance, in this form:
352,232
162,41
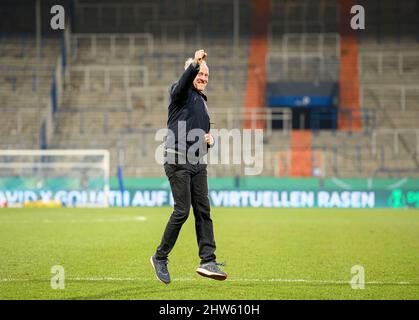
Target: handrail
302,38
395,133
380,56
181,26
135,8
403,88
147,92
106,70
38,73
307,18
132,39
234,118
312,65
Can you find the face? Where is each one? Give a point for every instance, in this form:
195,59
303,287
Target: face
201,80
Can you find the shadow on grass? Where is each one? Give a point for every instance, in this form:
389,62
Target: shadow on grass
134,293
176,290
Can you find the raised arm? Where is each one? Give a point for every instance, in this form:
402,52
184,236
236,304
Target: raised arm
180,89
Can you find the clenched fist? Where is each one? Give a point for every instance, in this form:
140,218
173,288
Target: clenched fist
209,139
200,56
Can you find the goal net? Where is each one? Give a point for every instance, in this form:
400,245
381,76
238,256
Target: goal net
74,178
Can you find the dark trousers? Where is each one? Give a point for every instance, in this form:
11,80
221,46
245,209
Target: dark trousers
189,186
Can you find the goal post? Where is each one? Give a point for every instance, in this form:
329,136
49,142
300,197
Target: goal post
70,177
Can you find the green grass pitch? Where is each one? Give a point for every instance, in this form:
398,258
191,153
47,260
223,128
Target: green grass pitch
269,253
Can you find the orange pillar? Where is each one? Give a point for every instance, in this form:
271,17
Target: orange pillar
301,153
256,73
349,78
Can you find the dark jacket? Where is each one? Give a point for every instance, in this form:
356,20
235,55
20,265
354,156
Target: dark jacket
188,105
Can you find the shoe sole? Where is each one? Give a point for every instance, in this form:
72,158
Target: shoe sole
209,274
155,272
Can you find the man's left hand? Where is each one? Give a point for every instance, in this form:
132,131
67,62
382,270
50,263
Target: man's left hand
209,139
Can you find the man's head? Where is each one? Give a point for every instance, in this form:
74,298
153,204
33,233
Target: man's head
201,79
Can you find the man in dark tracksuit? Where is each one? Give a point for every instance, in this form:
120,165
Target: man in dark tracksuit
187,142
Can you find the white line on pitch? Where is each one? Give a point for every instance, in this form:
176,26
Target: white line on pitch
99,220
93,279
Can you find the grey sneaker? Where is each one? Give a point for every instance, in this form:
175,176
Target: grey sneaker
211,270
160,268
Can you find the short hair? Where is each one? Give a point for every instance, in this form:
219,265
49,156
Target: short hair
189,61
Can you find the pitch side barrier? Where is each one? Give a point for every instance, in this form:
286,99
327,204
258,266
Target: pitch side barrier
224,192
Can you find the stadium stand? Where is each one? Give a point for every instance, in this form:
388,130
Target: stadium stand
389,77
388,84
25,89
124,78
121,57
